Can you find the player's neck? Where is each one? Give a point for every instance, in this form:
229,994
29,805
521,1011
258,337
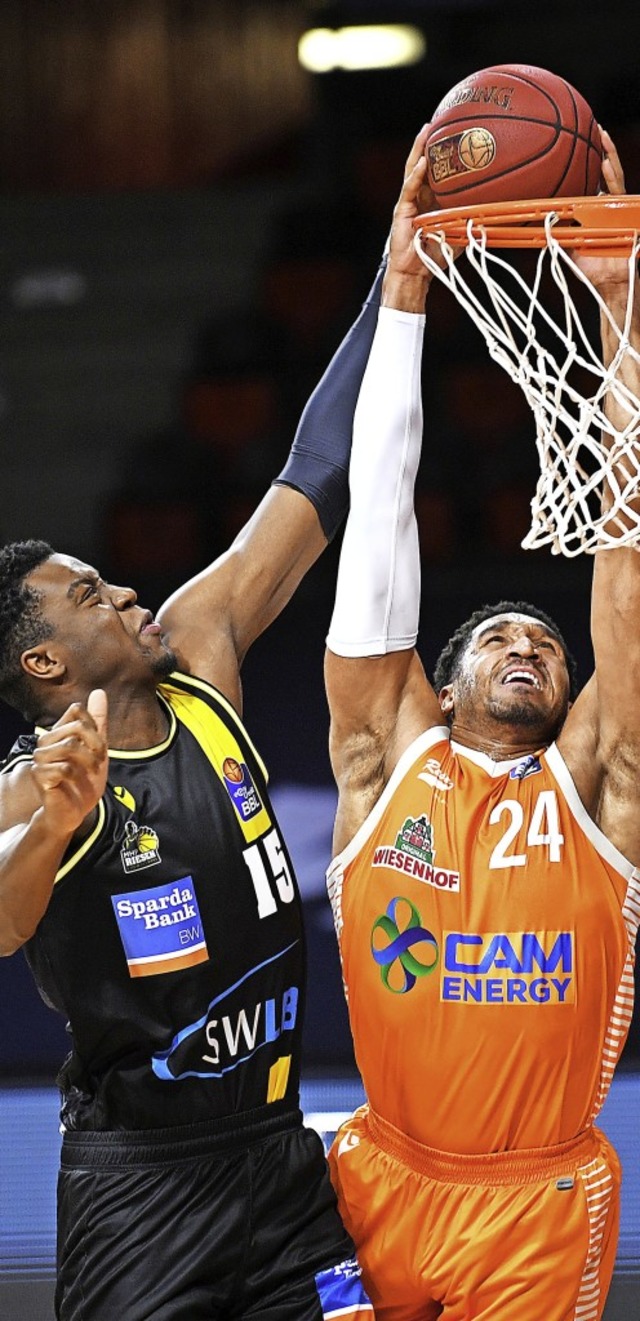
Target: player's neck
137,719
505,743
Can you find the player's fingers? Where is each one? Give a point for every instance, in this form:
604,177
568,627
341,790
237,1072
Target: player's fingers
414,181
612,171
73,712
98,708
53,774
417,149
78,736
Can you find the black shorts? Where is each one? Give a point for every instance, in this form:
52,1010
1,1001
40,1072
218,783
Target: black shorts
230,1221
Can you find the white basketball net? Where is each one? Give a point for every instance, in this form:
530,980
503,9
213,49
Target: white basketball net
578,447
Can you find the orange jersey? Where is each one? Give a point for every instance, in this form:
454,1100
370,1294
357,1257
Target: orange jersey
486,930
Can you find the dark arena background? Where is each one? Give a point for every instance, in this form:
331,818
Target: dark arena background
189,220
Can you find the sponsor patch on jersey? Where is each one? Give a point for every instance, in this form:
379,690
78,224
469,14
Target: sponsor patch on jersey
433,774
403,949
161,928
413,853
140,847
528,766
240,788
342,1293
508,967
238,1023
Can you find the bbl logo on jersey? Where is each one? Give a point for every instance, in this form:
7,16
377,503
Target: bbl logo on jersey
161,928
241,789
413,853
530,765
140,847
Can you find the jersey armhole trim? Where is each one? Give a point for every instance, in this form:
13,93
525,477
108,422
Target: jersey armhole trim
85,845
608,851
16,761
202,684
423,743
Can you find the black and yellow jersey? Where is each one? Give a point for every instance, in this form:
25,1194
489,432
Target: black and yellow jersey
173,939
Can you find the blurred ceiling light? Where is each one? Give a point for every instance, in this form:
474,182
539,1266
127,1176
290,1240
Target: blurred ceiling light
379,46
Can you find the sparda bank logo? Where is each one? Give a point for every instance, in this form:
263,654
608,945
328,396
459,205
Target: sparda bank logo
401,930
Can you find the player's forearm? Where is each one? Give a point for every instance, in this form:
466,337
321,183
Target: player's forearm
318,464
378,592
620,334
30,855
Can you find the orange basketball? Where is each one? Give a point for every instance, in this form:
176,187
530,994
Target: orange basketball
511,133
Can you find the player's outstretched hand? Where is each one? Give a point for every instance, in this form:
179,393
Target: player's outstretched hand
415,199
608,274
70,763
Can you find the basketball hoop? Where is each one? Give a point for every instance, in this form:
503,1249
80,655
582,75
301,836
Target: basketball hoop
579,448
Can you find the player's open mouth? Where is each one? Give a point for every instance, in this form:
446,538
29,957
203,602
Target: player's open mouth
149,625
527,677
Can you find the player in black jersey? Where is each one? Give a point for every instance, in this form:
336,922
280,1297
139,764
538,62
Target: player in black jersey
142,868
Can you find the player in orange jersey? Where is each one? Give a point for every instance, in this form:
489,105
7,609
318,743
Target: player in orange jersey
485,891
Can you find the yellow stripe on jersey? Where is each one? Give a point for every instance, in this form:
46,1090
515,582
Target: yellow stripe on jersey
219,745
278,1079
217,696
85,844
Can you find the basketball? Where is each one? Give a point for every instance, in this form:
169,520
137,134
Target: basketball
512,133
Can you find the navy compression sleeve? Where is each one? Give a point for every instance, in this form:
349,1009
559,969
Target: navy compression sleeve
318,464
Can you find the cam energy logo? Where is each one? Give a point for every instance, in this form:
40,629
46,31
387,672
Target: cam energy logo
508,967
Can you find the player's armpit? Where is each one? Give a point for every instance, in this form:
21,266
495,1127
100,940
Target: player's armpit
378,707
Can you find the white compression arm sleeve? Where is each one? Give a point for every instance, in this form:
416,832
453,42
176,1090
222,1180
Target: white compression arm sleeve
377,603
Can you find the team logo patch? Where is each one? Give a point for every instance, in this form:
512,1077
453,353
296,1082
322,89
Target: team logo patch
241,789
528,766
403,949
413,853
140,847
508,967
161,928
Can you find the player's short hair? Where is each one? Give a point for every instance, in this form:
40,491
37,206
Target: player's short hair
22,622
448,663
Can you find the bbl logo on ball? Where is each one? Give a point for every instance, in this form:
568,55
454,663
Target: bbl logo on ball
477,148
472,150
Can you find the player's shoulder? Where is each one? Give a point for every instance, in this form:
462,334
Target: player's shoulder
21,750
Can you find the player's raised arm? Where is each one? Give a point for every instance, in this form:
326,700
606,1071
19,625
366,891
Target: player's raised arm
213,620
45,800
379,698
611,782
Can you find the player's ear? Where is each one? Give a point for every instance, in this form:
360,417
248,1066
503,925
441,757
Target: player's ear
445,698
41,662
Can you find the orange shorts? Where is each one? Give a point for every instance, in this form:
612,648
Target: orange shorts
519,1236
